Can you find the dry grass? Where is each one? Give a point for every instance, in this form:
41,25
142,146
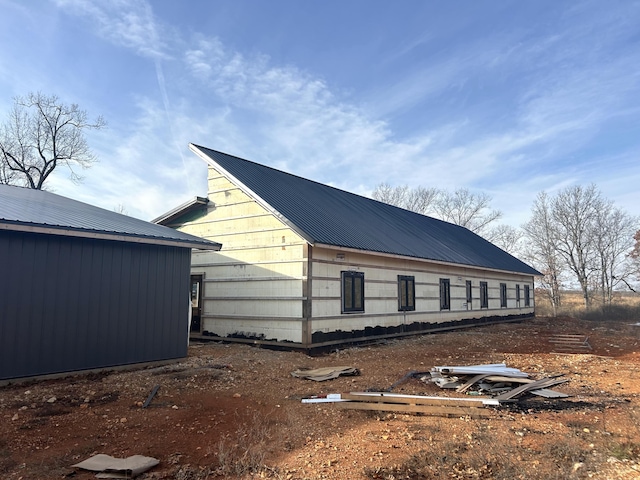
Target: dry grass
625,306
494,456
244,452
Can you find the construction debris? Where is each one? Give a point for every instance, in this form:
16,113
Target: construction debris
483,385
570,343
326,373
151,395
383,401
110,467
497,380
411,374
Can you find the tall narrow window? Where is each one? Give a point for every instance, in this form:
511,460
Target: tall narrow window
406,293
445,294
503,295
352,292
484,295
527,297
517,295
469,294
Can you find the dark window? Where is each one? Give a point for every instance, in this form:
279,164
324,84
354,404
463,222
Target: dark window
527,298
406,293
517,295
445,294
352,292
469,293
503,295
484,295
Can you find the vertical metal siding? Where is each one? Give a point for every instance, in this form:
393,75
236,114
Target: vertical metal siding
70,304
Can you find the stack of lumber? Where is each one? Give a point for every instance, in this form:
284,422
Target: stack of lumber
570,343
391,402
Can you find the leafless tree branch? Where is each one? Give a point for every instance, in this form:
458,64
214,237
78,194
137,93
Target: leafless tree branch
41,134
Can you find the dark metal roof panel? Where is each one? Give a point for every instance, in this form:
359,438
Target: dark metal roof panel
331,216
24,207
193,204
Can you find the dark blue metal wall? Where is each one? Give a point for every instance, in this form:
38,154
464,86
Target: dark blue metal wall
70,304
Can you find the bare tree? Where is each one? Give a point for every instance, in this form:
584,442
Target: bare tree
613,239
42,133
467,209
7,176
120,208
542,250
635,252
385,193
421,199
508,238
462,207
634,262
417,199
575,216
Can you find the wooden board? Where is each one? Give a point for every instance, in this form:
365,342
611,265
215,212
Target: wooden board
566,342
426,409
418,400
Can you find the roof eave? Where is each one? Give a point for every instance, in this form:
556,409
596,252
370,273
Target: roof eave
186,207
419,259
99,235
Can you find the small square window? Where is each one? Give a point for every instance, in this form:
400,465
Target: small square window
406,293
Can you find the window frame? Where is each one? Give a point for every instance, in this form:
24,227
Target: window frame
469,292
503,295
445,294
484,295
344,283
527,296
406,286
517,294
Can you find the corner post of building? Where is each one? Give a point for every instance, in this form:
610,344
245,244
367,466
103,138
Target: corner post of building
307,276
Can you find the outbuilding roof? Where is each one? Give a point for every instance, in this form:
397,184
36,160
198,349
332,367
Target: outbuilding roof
38,211
195,204
325,215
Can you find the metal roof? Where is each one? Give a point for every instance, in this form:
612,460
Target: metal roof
330,216
38,211
193,204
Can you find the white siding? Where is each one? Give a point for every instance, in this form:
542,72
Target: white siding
259,284
254,285
381,291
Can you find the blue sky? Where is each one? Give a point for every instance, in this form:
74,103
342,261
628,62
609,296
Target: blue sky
504,97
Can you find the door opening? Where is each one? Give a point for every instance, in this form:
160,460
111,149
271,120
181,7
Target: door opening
196,304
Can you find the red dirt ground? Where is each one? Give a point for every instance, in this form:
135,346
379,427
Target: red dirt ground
234,410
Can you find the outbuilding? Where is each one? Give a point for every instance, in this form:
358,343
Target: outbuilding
86,288
305,264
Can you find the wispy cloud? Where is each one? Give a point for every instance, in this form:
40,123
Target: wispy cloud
567,89
296,116
127,23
